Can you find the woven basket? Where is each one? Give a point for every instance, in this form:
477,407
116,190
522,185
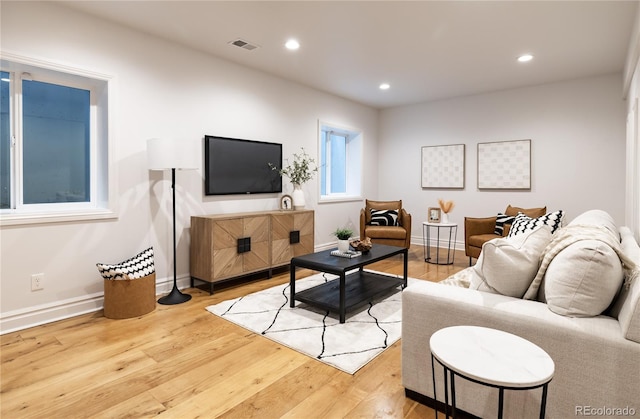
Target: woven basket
128,298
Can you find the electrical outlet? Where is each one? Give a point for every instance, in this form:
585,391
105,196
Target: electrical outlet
37,282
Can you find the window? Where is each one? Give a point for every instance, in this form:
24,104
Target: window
5,142
54,148
340,153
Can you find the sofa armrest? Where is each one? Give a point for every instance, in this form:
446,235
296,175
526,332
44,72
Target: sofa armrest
477,226
594,362
362,224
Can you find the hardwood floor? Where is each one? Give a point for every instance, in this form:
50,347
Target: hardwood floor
183,362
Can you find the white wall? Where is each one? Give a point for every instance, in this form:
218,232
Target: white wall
577,130
162,90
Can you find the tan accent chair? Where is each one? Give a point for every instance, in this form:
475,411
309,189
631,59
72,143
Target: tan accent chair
399,235
478,231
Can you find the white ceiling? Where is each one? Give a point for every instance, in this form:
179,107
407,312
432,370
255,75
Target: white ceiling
426,50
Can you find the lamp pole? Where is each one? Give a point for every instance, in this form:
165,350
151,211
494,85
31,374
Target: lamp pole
164,154
175,296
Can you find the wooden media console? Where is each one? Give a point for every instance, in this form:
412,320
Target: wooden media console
226,246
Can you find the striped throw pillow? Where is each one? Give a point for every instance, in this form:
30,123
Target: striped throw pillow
524,223
138,266
501,221
384,217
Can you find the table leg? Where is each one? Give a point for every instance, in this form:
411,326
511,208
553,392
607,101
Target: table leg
455,237
543,403
449,246
446,393
292,285
405,256
427,245
342,297
433,377
453,394
438,246
500,402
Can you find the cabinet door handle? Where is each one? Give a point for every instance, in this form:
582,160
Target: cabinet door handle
244,245
294,237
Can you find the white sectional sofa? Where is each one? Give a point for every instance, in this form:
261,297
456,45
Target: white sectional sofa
596,355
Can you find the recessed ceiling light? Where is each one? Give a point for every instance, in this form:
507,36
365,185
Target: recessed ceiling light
525,58
292,44
384,86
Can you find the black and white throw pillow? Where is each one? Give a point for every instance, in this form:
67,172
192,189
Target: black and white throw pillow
138,266
384,217
501,221
524,223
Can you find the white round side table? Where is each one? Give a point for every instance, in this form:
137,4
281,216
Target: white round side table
426,241
490,357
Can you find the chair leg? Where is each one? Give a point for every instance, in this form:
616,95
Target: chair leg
470,260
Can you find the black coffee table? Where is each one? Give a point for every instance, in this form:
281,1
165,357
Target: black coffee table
349,290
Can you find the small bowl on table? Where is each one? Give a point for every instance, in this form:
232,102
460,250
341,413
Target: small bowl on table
362,245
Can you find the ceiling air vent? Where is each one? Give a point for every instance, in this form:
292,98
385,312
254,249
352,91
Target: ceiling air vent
244,44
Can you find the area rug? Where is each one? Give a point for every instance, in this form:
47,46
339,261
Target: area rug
367,332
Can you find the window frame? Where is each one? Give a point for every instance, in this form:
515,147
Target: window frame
353,162
103,193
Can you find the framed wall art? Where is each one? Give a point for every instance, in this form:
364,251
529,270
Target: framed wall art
443,166
504,165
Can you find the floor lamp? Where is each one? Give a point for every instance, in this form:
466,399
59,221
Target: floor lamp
166,154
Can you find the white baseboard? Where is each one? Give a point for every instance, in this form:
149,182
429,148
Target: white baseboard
457,244
15,320
47,313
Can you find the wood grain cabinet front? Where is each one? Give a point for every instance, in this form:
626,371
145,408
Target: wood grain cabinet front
225,246
291,235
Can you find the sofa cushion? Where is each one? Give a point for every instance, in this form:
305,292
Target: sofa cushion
386,232
597,218
626,307
479,239
384,217
583,279
508,265
524,223
594,218
501,221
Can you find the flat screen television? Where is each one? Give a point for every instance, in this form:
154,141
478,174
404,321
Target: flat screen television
235,166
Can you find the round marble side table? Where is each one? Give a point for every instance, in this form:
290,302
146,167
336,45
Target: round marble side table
490,357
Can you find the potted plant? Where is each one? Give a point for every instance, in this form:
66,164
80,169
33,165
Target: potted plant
343,234
299,172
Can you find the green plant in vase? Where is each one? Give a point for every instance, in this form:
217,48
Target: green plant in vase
299,172
343,234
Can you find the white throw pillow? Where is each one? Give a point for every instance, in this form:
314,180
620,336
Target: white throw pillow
583,279
508,265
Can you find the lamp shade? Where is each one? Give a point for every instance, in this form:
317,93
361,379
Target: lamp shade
164,154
